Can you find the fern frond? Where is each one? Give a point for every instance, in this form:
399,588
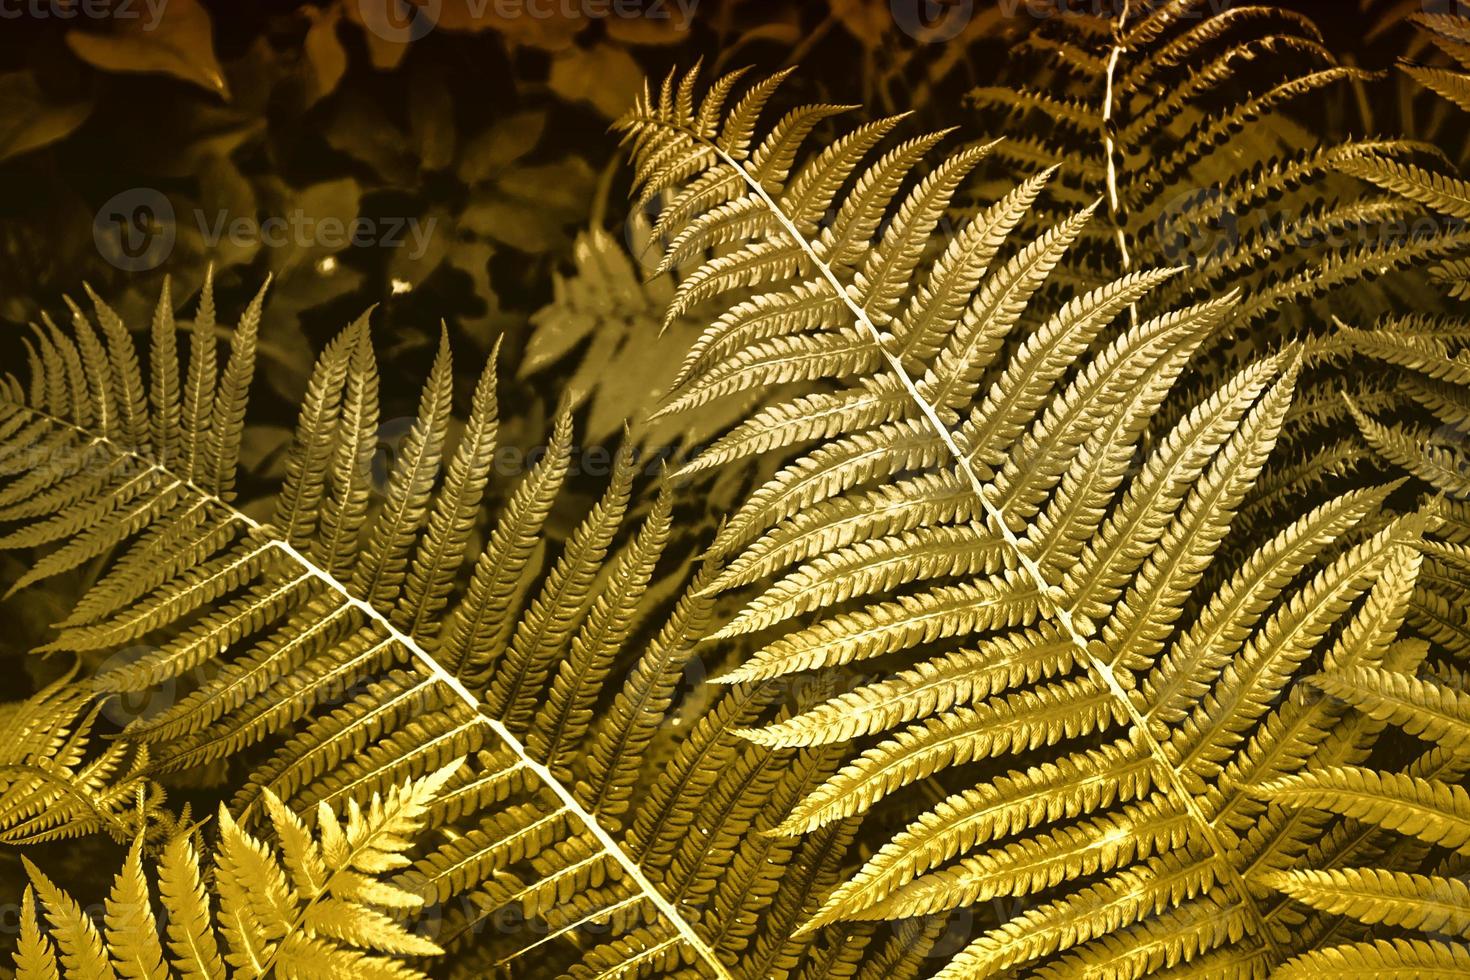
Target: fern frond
53,786
966,497
1433,811
262,626
1420,707
1382,958
1374,896
311,909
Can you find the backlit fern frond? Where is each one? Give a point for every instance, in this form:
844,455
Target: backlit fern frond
1365,872
363,631
1158,108
315,905
1187,119
1435,354
1433,185
52,782
1443,597
959,521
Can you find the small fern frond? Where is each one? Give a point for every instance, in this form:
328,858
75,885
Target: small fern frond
1421,707
53,785
314,908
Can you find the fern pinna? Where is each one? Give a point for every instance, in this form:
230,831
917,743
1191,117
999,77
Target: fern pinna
1425,429
958,519
1432,185
343,644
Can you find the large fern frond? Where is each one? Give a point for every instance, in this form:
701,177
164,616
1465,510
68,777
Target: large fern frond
337,645
959,510
1187,120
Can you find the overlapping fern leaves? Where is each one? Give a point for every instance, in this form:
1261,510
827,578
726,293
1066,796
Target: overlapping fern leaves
1433,185
1173,113
1352,868
1027,607
958,520
335,646
314,910
1184,118
53,786
1432,353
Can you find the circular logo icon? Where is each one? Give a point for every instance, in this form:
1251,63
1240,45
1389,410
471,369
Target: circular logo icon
400,21
931,21
391,435
135,230
1191,229
646,248
137,701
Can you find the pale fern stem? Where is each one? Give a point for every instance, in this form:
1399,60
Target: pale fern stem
1110,151
1174,788
569,803
1110,147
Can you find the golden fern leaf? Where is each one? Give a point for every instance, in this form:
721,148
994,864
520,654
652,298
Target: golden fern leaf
338,634
1440,192
35,955
1154,109
1382,959
1434,811
1050,603
1420,706
312,909
131,928
1430,904
191,939
1435,350
52,786
1425,803
1185,118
